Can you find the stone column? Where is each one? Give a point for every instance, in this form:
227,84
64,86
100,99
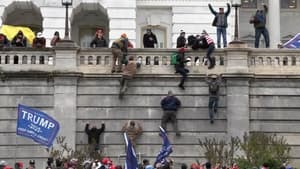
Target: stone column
237,106
237,82
65,93
66,56
274,23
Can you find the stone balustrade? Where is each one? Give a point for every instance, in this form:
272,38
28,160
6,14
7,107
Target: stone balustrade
153,61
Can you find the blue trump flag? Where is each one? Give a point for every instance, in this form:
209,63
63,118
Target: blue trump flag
166,148
36,125
131,161
293,43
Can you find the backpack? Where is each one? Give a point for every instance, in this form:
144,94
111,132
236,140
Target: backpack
191,40
174,58
213,87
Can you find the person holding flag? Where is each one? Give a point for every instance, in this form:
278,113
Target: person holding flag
165,150
131,160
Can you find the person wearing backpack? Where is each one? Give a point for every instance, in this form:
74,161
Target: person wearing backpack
180,66
213,89
259,22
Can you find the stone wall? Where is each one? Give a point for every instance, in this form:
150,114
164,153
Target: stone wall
260,93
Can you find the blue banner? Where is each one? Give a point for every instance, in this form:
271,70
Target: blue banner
166,148
36,125
293,43
131,161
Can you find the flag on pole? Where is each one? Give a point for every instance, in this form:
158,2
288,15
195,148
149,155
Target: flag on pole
166,148
131,160
36,125
293,43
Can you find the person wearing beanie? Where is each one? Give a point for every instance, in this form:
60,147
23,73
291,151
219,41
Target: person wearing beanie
181,40
207,43
119,51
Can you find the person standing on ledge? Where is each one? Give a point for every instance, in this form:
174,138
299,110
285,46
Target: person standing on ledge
259,22
149,39
220,21
181,40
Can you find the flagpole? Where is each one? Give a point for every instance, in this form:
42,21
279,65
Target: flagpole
16,146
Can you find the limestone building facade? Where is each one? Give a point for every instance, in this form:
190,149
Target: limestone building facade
165,17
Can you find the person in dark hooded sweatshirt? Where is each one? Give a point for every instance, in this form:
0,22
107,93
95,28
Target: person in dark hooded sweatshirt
19,40
94,134
180,67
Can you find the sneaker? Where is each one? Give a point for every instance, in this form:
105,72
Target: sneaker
112,71
211,66
211,121
181,87
178,134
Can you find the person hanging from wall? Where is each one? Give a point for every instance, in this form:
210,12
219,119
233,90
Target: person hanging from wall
149,39
213,88
99,40
39,41
180,66
206,42
19,40
132,130
128,74
220,21
55,38
170,105
181,40
259,23
119,51
94,134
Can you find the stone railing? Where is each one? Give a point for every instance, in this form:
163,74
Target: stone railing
22,59
153,61
274,61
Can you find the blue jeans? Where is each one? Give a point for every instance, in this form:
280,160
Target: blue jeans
265,33
213,106
221,31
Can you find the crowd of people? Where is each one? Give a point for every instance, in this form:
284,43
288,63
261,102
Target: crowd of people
107,163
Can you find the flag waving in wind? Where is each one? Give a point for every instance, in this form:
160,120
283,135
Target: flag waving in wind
166,148
293,43
131,161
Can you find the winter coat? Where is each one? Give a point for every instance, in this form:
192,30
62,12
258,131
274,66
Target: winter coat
149,40
93,133
259,19
19,41
39,42
170,103
219,16
130,69
98,42
181,41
